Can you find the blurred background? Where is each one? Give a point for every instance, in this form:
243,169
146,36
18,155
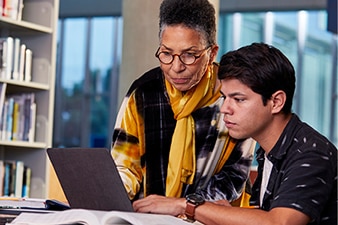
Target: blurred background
104,44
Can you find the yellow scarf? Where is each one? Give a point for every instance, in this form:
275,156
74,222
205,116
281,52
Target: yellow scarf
182,157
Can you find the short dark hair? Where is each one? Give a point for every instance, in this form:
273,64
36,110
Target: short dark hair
194,14
263,68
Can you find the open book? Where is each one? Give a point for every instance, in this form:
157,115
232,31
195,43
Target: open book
92,217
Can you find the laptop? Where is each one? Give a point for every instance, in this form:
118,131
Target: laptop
89,178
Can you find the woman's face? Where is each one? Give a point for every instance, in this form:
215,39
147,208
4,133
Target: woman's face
178,40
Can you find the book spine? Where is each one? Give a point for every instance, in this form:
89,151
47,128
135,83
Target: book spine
16,117
2,177
9,119
7,175
9,57
16,59
26,182
22,62
4,121
31,133
2,56
20,8
19,170
12,179
28,65
3,87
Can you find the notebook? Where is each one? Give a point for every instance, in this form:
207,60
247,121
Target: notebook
89,178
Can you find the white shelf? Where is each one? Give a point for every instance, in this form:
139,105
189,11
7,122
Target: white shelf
23,26
37,30
25,85
24,144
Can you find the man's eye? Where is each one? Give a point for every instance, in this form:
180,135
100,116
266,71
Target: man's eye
239,99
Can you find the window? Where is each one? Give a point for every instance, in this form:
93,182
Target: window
303,38
89,53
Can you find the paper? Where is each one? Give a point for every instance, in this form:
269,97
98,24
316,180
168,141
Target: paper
93,217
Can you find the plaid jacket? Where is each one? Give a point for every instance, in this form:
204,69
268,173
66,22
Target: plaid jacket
142,138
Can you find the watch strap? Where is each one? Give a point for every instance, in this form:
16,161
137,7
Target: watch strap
190,211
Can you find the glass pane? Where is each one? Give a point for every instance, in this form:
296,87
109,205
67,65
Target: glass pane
88,49
101,55
303,38
67,123
316,92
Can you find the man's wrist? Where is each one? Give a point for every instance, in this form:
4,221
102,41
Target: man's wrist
193,201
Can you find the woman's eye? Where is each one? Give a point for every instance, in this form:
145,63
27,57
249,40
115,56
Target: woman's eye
188,54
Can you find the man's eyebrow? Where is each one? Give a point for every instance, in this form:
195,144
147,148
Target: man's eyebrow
231,95
236,94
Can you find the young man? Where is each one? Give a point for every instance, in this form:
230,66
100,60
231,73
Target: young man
297,172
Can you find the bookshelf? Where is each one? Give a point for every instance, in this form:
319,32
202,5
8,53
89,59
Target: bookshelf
37,30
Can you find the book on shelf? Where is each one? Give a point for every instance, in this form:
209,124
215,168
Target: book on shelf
9,119
28,65
16,117
11,9
15,179
4,121
7,178
3,48
92,217
31,131
26,182
18,182
9,47
3,87
2,175
16,60
19,117
22,62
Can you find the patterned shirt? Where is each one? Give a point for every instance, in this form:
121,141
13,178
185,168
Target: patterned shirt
142,139
304,174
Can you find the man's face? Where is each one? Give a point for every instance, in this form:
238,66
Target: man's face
244,113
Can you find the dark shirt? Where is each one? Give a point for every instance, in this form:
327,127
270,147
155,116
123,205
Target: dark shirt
304,174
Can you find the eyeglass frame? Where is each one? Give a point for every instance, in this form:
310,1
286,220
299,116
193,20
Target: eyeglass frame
157,55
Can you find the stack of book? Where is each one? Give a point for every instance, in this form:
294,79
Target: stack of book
22,203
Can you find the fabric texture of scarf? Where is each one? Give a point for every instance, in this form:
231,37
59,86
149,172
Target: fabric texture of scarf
182,157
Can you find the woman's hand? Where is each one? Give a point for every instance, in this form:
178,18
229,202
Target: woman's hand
160,205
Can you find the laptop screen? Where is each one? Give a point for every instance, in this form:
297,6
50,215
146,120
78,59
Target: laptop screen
89,178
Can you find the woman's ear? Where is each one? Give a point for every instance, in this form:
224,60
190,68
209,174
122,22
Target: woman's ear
213,53
278,101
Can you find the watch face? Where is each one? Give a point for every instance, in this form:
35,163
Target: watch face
195,199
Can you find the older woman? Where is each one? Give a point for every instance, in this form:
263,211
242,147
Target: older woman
169,137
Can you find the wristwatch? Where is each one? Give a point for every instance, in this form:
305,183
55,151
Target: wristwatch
193,200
